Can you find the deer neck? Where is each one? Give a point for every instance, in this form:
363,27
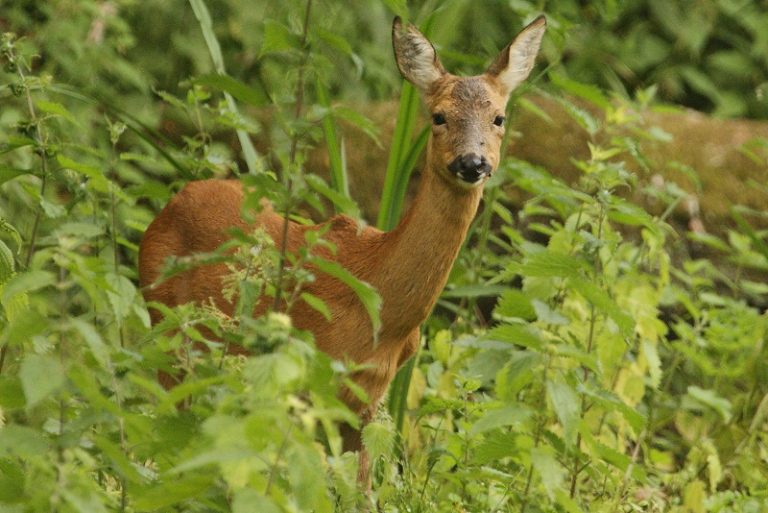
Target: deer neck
419,253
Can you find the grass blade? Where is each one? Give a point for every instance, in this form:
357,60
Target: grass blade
204,18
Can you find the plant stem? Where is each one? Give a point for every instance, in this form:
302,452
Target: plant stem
536,437
278,456
43,179
292,161
585,370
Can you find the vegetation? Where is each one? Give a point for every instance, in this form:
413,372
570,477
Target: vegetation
579,360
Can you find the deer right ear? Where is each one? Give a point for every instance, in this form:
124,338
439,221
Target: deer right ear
415,56
515,62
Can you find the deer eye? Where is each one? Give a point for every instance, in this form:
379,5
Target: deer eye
438,119
499,120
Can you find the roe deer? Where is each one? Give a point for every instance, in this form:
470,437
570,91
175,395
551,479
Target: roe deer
408,265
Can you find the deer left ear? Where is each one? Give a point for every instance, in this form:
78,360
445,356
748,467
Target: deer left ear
515,62
415,56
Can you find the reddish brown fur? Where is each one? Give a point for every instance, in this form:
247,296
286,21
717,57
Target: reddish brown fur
408,265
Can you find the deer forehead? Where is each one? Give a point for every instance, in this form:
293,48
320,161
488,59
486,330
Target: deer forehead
467,97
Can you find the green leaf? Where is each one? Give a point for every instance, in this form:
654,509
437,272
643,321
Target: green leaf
119,460
239,90
24,283
342,203
92,338
366,293
22,441
7,263
379,439
95,175
473,291
277,38
8,173
56,109
565,402
548,264
121,295
11,481
522,335
603,302
710,399
11,393
581,116
318,304
501,417
41,376
310,492
515,303
172,492
552,474
250,501
84,502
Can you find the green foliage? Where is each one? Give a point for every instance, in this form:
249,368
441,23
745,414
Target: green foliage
578,360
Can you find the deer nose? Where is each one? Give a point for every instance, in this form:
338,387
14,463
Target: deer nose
470,167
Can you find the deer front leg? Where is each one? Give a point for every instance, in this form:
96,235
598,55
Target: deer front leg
352,441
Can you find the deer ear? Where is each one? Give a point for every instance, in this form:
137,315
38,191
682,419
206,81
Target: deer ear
515,62
415,56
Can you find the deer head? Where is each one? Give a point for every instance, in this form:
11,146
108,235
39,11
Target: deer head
467,112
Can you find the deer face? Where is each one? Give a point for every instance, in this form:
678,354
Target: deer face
467,112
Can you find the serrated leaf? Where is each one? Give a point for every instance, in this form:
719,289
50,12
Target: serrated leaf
309,491
41,376
565,402
515,303
552,474
604,303
548,264
96,177
522,335
609,401
56,109
277,38
501,417
121,296
92,338
379,439
24,283
654,363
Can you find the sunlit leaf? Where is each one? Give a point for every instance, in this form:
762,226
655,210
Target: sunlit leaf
41,376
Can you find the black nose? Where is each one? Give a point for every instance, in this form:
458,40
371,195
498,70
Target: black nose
470,167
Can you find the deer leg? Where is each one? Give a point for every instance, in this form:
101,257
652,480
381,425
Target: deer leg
352,441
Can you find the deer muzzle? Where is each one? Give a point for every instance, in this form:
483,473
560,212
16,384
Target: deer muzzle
470,167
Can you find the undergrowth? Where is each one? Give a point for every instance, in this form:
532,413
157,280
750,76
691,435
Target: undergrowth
577,361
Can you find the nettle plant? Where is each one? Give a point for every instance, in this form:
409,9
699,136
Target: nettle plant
84,425
599,346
